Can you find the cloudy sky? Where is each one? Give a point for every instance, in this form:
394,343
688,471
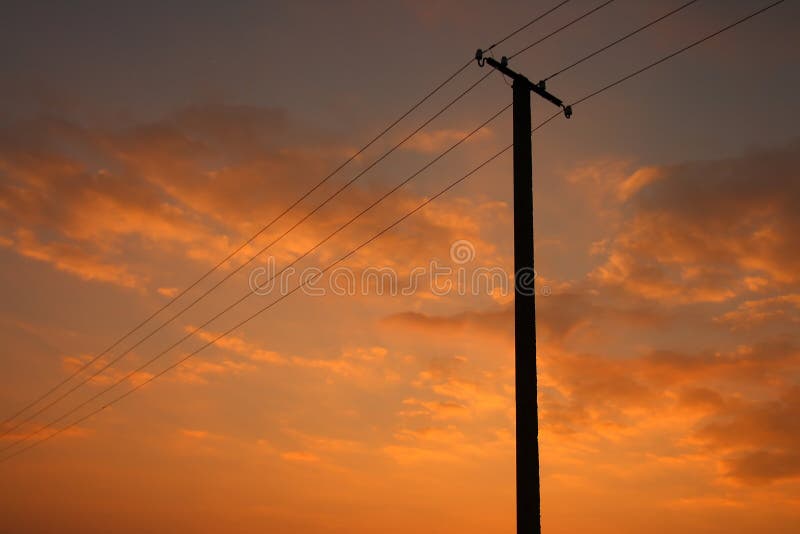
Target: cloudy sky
142,142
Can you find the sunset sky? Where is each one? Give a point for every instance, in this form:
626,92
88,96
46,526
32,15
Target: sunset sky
141,142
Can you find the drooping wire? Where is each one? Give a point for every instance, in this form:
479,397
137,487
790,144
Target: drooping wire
260,311
621,39
352,252
250,293
561,28
233,253
238,249
661,60
680,51
525,26
232,273
252,238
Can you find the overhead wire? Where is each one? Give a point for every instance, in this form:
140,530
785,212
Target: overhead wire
251,292
561,28
622,39
232,273
680,51
661,60
525,26
231,255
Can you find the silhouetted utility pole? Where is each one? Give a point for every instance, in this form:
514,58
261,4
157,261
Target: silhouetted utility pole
527,409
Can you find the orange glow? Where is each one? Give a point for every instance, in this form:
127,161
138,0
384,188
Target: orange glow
668,282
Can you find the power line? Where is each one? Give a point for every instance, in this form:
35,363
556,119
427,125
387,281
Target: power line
237,269
397,222
560,29
376,236
232,273
248,294
673,54
623,38
234,252
649,66
265,308
252,238
525,26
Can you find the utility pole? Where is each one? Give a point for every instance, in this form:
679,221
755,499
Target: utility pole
527,409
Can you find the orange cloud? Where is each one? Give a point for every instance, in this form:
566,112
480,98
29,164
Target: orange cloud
189,186
439,140
752,313
74,260
558,316
197,371
168,291
363,365
704,231
759,440
300,456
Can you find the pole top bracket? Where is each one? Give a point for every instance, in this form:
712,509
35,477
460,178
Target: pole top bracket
538,88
